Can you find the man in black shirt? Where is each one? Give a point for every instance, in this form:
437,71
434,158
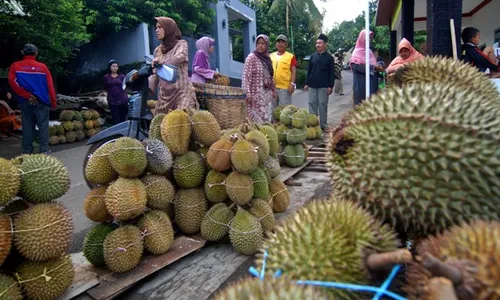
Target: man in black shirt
320,80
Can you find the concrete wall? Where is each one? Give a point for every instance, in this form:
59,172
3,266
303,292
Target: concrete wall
127,46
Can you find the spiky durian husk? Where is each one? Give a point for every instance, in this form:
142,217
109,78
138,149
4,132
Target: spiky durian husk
445,70
423,157
268,289
326,241
474,249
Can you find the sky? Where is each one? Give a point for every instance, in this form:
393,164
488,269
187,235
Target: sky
340,10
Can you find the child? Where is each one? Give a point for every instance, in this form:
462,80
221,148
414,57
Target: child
471,53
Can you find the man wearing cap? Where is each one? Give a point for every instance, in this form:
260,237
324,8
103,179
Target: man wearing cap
284,64
320,80
32,82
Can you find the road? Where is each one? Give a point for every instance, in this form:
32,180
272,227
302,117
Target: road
199,275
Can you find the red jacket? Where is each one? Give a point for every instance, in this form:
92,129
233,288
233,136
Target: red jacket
29,77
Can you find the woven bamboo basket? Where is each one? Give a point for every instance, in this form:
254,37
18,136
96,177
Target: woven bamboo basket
226,103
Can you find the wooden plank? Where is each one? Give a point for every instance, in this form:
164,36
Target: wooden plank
113,284
84,278
287,172
316,169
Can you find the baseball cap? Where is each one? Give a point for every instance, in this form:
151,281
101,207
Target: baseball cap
282,37
29,49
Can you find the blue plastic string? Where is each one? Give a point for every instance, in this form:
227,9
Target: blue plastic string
379,291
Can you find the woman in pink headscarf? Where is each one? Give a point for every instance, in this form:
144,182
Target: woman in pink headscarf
358,63
258,82
201,64
407,54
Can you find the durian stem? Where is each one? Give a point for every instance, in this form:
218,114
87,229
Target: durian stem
380,261
441,289
442,269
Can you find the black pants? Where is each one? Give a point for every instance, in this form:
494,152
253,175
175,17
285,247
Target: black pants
118,112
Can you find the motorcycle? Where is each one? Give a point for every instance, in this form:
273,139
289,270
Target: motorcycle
139,116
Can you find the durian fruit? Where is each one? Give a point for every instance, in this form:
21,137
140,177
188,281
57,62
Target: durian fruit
296,136
422,157
89,124
60,130
126,199
5,237
294,155
214,225
9,288
94,205
66,115
158,156
312,120
98,169
277,112
272,138
239,188
215,188
319,132
52,131
264,213
219,155
79,135
281,197
128,157
91,132
244,156
95,114
206,129
190,207
68,126
445,70
77,116
189,170
77,125
93,244
311,133
269,289
160,192
123,249
43,231
46,280
286,115
245,233
155,127
44,177
70,136
281,131
87,115
53,140
299,119
468,255
10,181
62,139
327,241
96,124
259,139
158,231
176,131
273,166
260,184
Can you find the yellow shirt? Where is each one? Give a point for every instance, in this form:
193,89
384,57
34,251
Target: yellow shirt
282,65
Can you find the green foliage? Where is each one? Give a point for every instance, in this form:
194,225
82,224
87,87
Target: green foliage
114,15
300,79
56,27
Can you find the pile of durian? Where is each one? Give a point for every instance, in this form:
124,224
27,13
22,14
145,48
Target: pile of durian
35,230
75,126
418,163
185,175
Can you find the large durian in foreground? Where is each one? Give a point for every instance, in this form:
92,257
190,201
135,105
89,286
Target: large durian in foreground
445,70
327,240
468,255
268,289
423,157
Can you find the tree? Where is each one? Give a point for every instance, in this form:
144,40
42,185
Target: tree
296,7
191,16
56,27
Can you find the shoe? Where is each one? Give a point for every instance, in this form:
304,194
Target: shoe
341,94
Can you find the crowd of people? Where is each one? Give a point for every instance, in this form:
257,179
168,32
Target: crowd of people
267,78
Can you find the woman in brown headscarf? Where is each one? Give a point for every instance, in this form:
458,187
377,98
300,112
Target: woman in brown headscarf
173,51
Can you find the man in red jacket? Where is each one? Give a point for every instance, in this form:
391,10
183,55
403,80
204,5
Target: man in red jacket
32,82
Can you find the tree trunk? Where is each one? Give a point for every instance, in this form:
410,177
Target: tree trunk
287,21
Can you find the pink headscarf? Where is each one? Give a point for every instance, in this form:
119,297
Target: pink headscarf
398,62
359,54
201,58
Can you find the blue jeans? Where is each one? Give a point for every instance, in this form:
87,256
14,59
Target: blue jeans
35,115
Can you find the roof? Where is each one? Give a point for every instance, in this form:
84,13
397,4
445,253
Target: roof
385,11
